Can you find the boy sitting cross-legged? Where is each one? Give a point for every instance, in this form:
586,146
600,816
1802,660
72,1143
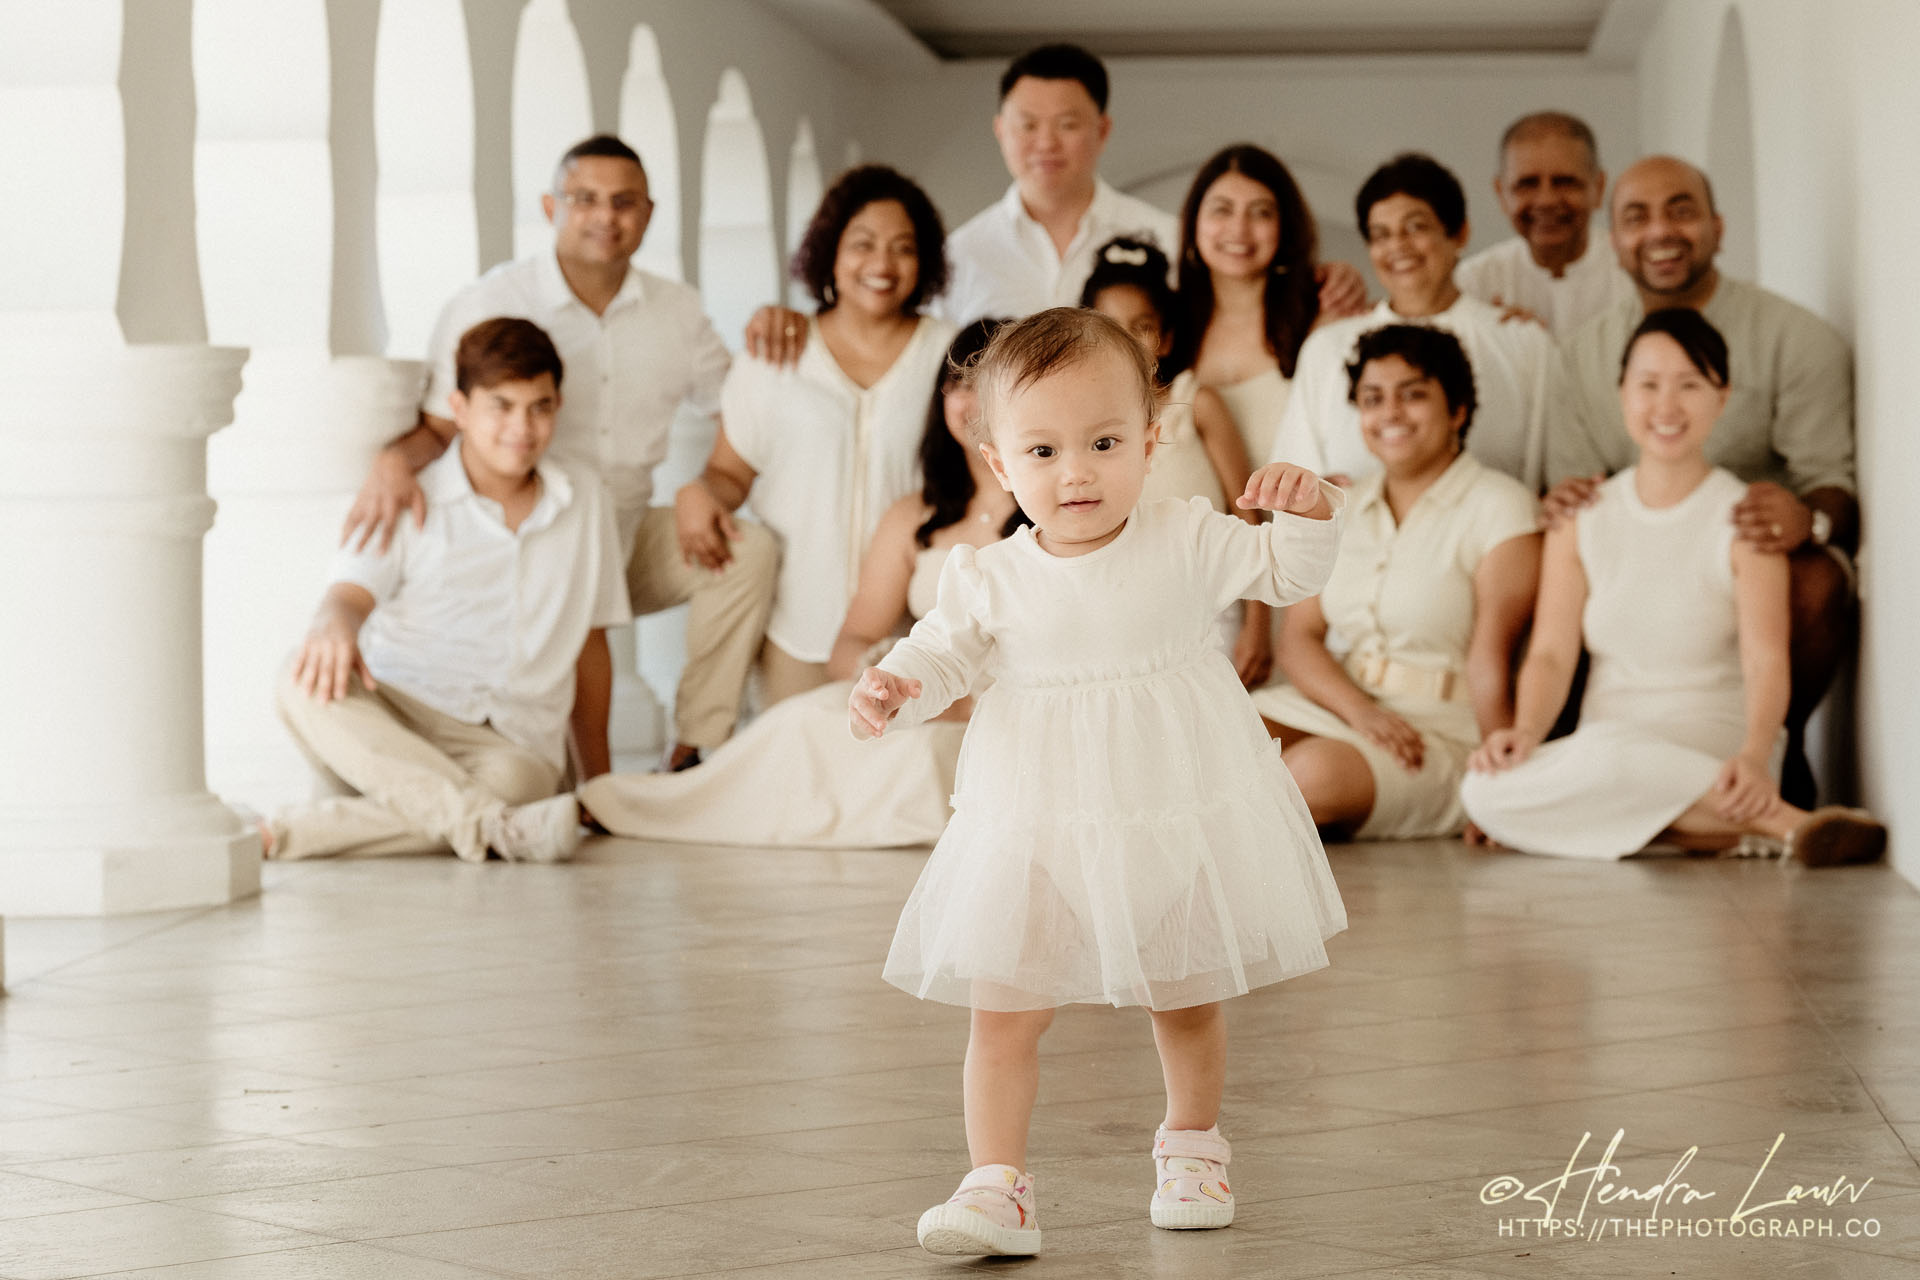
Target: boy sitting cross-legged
438,678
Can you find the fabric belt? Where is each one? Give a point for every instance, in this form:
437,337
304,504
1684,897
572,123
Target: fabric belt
1378,673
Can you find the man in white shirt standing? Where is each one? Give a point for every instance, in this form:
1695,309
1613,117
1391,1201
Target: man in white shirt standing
1034,247
1413,214
1549,185
638,346
437,680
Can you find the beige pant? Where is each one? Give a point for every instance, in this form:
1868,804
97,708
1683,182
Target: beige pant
724,628
782,675
426,781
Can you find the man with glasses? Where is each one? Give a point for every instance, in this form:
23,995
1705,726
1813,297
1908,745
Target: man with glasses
636,347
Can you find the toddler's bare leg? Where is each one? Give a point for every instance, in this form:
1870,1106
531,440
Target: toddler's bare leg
1193,1058
1002,1078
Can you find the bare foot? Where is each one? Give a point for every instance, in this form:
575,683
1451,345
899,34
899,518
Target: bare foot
1474,838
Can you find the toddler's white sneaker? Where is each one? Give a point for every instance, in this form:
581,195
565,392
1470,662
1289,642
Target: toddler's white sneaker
991,1213
1191,1192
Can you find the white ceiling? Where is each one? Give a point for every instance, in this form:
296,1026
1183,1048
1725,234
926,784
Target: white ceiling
1209,28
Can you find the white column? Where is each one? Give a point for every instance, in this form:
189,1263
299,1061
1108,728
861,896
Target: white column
552,110
103,799
308,422
648,125
805,186
305,430
428,231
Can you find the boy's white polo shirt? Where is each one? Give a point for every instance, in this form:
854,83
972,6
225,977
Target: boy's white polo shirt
1004,263
627,371
483,622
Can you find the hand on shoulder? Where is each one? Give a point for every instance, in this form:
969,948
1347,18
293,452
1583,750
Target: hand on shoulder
1568,498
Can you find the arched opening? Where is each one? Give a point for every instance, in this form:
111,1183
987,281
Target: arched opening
648,124
804,189
263,172
1730,158
739,264
551,112
427,233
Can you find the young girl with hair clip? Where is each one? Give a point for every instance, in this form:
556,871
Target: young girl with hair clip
1123,831
1198,452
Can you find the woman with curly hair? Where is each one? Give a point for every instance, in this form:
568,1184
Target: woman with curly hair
821,449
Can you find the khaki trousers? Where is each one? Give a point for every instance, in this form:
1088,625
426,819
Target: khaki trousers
724,627
426,781
783,676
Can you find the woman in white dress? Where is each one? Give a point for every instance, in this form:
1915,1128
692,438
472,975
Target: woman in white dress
1681,725
793,777
1431,595
821,449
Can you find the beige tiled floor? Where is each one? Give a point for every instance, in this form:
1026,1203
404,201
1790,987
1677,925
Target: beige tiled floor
676,1062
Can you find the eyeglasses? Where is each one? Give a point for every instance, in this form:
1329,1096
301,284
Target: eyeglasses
588,201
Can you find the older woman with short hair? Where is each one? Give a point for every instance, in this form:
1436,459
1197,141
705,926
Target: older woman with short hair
1430,595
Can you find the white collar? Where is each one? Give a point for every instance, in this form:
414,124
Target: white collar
445,481
557,295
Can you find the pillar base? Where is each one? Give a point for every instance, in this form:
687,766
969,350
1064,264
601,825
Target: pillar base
159,856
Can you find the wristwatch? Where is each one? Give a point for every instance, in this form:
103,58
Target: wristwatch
1822,529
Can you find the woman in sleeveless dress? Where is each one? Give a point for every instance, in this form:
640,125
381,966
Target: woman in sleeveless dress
1682,720
1247,286
793,777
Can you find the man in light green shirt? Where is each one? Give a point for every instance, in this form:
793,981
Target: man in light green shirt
1787,429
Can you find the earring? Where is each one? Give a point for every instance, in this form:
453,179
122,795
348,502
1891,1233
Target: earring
829,295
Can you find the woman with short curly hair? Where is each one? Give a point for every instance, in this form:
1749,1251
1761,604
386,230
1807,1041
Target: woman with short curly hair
823,448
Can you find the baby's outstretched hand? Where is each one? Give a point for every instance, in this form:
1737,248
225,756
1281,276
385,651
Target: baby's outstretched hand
1281,486
877,695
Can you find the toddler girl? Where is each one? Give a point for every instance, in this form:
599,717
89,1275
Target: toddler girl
1123,829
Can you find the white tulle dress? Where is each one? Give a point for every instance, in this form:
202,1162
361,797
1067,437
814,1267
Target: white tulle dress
1124,831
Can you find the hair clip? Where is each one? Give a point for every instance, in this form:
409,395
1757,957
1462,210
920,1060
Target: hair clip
1119,254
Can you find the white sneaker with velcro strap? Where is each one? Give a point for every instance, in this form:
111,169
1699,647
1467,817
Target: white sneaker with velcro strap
991,1214
1191,1192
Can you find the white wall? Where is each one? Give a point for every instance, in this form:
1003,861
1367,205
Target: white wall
1836,177
1332,120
